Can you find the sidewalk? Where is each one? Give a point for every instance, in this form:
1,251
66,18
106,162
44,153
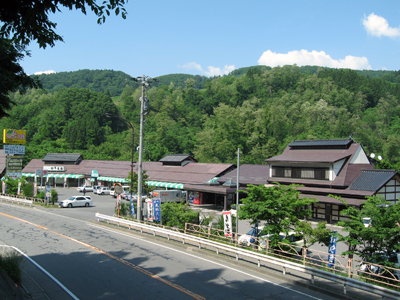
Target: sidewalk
36,284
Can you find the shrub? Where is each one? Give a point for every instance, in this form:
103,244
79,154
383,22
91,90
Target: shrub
10,262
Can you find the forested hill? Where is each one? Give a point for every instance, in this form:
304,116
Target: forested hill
260,111
108,80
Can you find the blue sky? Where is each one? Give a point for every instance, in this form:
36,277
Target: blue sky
214,37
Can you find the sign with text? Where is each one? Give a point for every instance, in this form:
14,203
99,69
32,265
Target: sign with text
227,223
14,137
332,249
157,209
38,173
14,166
54,168
14,149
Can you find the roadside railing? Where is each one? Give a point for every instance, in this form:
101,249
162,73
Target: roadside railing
305,265
15,199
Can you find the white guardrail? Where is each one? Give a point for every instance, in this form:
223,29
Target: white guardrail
15,200
185,238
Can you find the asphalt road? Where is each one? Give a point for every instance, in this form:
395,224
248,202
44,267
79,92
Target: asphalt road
94,262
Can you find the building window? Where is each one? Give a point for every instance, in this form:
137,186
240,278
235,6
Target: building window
301,172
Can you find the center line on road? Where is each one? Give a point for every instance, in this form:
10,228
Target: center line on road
144,271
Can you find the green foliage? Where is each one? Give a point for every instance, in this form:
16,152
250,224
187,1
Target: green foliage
41,195
258,109
279,206
12,184
28,189
54,196
10,263
382,236
124,208
319,235
177,214
12,76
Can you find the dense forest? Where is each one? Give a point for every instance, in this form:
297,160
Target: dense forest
258,109
109,81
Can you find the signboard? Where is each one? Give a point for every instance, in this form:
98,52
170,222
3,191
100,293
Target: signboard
14,166
227,223
95,173
14,137
38,173
54,168
157,209
332,249
150,212
14,149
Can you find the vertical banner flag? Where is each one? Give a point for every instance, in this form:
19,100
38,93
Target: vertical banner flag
19,188
157,209
332,249
34,189
3,187
227,223
150,215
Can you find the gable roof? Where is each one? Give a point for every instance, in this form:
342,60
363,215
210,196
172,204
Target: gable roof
321,144
248,174
177,158
62,157
372,180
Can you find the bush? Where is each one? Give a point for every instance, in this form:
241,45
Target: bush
27,189
10,262
54,196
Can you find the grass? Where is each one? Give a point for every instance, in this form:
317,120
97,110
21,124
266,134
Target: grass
9,262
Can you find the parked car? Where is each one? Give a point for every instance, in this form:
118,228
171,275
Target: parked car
76,201
96,188
294,239
367,222
88,188
112,191
251,237
103,190
372,265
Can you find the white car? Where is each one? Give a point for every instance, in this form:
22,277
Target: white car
369,266
251,237
87,188
76,201
103,190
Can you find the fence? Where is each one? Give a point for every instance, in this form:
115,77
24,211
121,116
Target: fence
16,199
315,265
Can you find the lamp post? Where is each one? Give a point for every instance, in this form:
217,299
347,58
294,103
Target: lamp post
133,149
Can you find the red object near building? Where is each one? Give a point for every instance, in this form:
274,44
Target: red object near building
198,198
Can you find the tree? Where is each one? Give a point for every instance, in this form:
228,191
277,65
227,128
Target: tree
279,206
26,20
12,76
177,214
383,234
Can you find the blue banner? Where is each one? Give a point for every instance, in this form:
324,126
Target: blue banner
157,209
332,249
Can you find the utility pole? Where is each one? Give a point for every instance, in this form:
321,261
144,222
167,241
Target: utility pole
145,82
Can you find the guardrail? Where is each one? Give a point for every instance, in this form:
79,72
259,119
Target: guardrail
238,252
16,200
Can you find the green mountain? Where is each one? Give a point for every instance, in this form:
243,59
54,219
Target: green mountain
258,109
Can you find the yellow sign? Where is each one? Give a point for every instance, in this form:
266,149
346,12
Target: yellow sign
14,137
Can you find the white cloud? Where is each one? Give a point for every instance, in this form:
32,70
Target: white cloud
313,58
192,65
378,26
45,72
212,71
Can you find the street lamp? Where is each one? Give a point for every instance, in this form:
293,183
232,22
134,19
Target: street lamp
133,149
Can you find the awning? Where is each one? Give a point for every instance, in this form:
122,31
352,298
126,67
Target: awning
165,184
55,175
112,179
